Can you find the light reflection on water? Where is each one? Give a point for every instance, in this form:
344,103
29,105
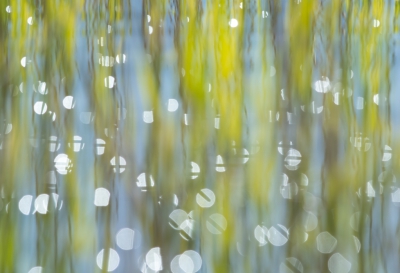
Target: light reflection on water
199,136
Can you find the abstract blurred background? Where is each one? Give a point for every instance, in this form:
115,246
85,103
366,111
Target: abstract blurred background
199,136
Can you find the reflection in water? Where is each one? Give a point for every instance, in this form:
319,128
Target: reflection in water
199,136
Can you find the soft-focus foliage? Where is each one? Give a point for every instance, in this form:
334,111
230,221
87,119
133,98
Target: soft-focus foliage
254,136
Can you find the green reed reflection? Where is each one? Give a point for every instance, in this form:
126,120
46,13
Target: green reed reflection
254,136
